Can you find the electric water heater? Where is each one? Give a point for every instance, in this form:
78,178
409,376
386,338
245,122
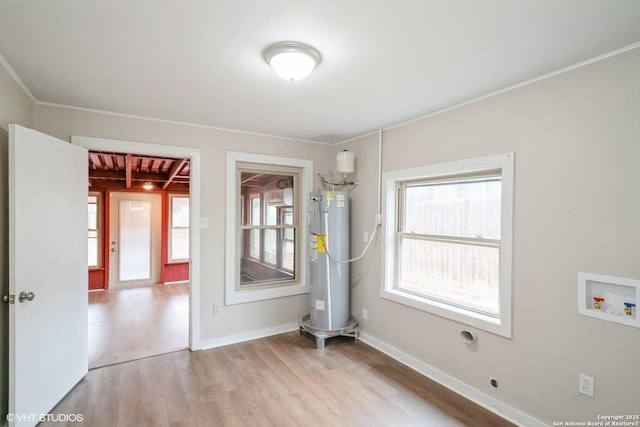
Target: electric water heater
329,270
329,236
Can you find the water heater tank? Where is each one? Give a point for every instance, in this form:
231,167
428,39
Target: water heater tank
328,268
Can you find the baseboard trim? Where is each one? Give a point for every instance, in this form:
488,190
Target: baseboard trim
247,336
486,401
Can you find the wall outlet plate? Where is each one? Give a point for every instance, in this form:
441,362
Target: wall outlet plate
586,385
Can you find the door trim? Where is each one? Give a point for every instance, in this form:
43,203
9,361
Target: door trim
93,143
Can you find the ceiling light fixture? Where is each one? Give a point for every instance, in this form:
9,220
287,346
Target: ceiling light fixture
292,60
147,186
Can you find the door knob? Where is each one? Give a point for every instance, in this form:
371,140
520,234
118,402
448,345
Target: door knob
26,296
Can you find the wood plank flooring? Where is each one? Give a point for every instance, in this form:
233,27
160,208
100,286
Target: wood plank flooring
275,381
127,324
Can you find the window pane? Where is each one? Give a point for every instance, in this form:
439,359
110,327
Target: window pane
254,244
179,243
93,249
288,253
464,274
271,214
255,272
270,246
180,212
468,209
93,216
287,217
255,211
287,234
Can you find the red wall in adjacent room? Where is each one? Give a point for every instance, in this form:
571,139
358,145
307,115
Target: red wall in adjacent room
98,278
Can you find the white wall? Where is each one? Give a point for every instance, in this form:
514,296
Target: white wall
15,107
576,138
235,321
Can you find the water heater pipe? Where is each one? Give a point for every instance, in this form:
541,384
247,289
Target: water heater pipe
378,216
366,248
379,213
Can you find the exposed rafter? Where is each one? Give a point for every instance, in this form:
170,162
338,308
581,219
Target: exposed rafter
175,169
128,160
131,171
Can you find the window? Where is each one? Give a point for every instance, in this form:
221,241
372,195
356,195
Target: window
94,241
179,233
266,247
268,229
448,245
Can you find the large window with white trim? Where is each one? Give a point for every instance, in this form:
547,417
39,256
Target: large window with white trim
449,240
266,220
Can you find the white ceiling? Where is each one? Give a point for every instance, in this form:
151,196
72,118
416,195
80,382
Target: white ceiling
384,62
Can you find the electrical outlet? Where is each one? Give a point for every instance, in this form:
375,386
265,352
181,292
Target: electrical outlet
365,313
586,385
216,310
365,237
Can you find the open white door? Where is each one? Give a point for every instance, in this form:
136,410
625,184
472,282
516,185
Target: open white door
47,260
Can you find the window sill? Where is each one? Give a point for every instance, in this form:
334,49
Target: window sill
252,295
458,314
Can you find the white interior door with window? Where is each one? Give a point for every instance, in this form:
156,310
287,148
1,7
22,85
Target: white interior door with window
134,239
48,350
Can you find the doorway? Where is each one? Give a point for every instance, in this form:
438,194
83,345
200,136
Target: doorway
134,239
183,294
135,313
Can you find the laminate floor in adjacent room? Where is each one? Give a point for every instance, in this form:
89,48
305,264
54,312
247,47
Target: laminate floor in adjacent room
275,381
127,324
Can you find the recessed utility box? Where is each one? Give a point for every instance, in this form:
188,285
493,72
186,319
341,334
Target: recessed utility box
608,298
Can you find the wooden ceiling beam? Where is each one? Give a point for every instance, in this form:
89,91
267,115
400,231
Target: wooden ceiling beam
127,167
135,176
175,170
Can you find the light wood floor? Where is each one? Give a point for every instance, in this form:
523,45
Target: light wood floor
276,381
127,324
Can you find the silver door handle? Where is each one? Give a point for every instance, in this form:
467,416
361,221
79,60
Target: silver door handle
26,296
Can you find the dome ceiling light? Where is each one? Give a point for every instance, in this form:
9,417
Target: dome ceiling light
292,60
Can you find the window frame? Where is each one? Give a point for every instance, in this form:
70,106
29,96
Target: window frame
233,293
262,226
504,163
170,258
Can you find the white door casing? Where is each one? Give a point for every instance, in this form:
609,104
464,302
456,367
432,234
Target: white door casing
122,146
48,344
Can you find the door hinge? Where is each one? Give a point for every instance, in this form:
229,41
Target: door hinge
9,298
